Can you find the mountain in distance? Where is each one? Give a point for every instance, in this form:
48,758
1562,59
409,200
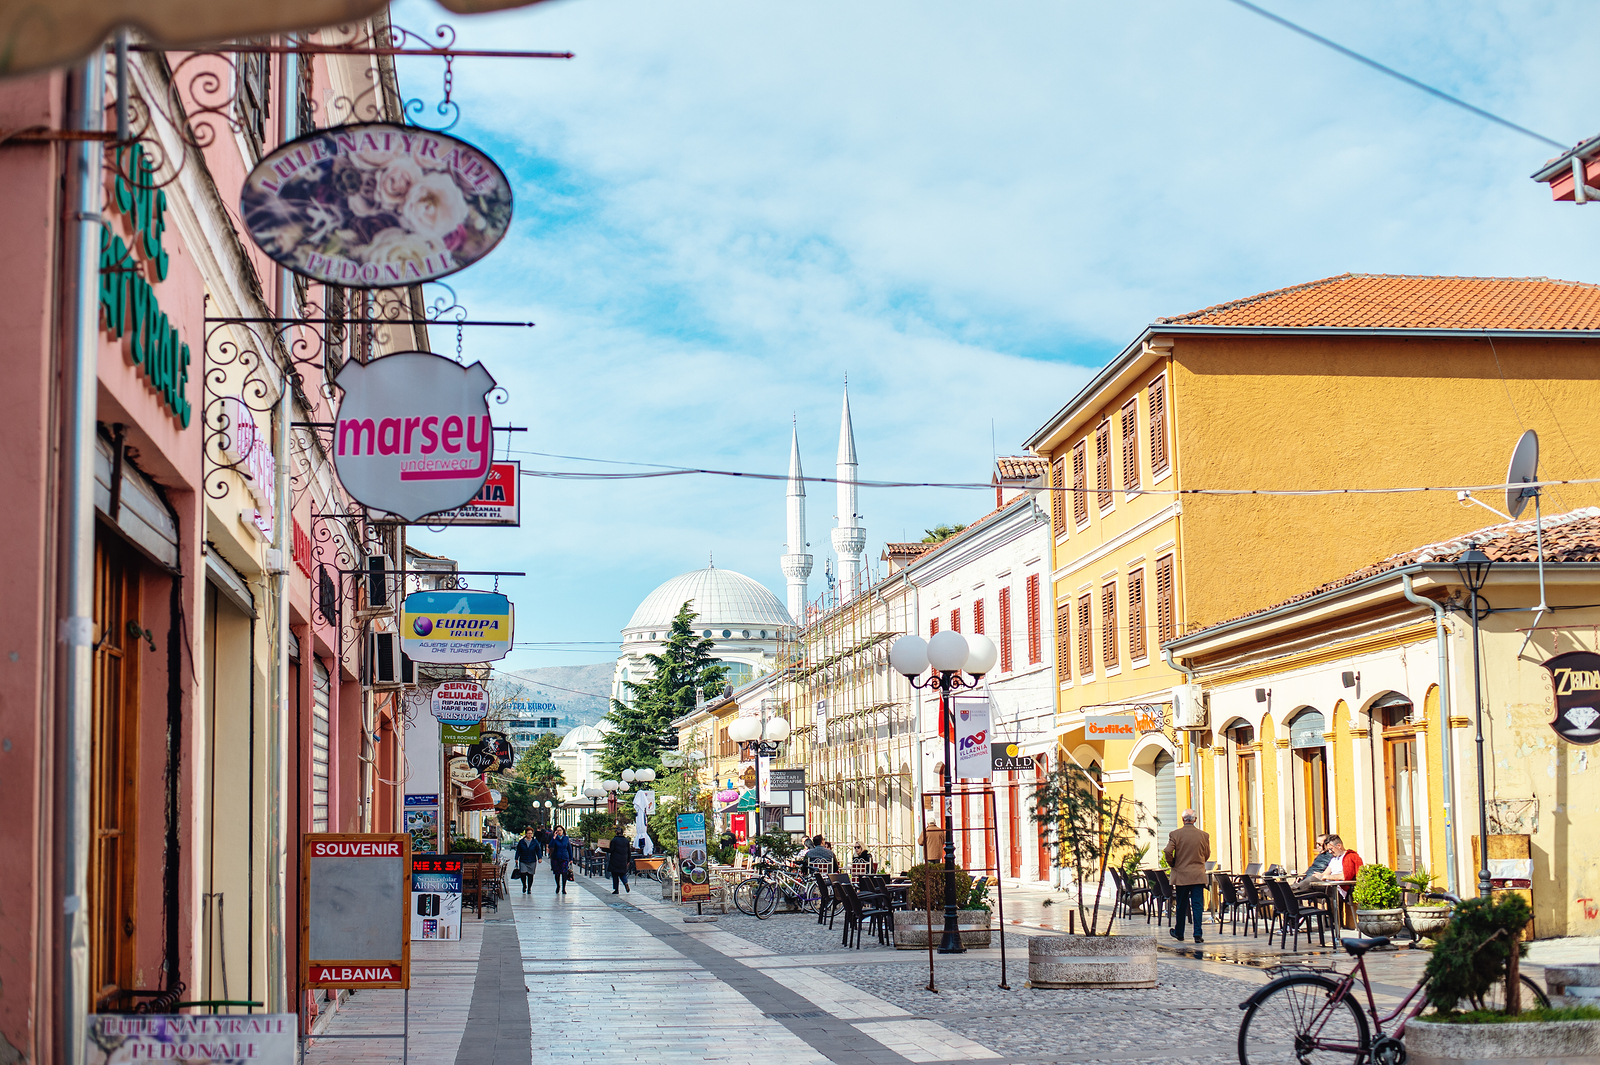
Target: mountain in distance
578,695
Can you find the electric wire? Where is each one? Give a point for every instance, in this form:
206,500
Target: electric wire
1393,73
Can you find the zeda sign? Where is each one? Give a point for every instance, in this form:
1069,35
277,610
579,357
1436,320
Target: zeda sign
376,205
461,627
1575,676
413,434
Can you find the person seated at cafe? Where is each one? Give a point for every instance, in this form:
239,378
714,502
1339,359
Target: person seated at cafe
818,852
862,855
1313,882
1344,863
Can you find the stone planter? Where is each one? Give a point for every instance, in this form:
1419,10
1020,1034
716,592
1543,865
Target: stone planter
1380,922
1092,961
1573,985
1428,920
1516,1043
911,928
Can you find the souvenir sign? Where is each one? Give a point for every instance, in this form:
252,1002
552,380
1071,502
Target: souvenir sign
355,894
498,502
450,626
376,205
460,702
413,435
1575,677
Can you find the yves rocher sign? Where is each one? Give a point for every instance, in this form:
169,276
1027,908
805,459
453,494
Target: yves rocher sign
376,205
413,434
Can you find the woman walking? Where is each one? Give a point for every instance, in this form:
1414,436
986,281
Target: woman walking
527,859
619,861
560,858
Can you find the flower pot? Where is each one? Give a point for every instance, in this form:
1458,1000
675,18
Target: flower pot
1092,961
911,928
1380,922
1428,920
1515,1043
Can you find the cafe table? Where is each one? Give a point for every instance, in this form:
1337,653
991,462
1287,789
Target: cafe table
1338,905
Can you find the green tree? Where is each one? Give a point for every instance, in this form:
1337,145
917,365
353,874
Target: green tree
940,533
642,726
1085,829
677,794
518,812
538,768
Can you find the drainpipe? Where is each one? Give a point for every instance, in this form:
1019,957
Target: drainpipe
1445,738
1196,796
83,227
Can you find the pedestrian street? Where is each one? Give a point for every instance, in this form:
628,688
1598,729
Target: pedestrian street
594,978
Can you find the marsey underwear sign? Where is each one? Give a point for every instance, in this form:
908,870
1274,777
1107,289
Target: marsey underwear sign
413,435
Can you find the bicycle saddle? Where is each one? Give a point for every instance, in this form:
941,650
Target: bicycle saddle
1358,945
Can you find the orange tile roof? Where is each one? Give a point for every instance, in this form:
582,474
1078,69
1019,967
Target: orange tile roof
1020,467
1395,301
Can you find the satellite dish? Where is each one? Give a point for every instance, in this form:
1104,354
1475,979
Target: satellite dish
1524,468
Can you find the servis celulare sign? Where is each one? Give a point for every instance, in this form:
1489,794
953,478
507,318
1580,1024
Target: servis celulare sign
376,205
452,626
413,434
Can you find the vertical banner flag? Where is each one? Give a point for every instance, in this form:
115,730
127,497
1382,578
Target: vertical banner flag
972,737
695,876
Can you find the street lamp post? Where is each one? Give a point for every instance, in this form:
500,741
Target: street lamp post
1473,566
760,734
949,653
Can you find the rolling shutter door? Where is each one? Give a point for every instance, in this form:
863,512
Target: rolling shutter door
321,688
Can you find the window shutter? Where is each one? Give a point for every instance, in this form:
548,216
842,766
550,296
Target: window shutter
1080,482
1130,444
1166,627
977,617
1005,630
1102,463
1136,648
933,627
1108,625
1058,498
955,620
1085,635
1064,640
1035,643
1158,426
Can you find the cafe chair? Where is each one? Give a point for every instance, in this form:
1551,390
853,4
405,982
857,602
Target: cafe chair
1294,916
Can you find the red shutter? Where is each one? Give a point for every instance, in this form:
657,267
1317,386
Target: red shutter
955,620
1085,635
933,627
1158,426
1108,625
1039,769
1035,643
1005,630
1064,640
1130,443
1058,496
1102,463
1136,648
1080,482
1166,619
977,617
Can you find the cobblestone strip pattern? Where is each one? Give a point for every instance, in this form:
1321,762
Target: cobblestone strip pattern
498,1029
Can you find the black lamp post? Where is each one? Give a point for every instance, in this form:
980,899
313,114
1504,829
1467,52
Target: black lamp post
1473,566
759,735
949,654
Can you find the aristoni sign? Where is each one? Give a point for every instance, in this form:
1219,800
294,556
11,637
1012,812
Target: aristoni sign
447,626
498,502
413,434
460,703
355,895
376,205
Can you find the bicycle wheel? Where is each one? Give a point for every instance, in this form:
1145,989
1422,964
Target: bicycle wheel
1296,1020
766,899
811,897
744,895
1495,998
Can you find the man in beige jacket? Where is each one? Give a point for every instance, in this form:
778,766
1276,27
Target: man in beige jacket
1186,853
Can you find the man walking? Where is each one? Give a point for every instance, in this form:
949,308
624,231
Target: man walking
1186,853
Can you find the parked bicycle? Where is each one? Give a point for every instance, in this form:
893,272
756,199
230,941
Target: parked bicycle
759,895
1313,1015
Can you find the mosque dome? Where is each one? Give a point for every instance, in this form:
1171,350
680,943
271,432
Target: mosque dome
720,597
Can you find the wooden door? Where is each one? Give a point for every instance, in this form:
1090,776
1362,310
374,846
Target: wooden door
113,751
1249,831
1314,773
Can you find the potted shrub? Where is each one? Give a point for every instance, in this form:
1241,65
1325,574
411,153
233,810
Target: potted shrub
1426,917
1377,901
1084,829
1477,950
911,925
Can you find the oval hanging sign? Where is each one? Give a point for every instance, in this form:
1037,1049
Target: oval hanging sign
376,205
413,434
448,626
460,703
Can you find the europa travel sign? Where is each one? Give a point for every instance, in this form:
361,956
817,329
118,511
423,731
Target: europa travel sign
454,626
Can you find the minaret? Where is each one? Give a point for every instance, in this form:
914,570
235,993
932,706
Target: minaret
849,538
796,563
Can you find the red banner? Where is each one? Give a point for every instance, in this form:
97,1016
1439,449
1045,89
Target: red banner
354,975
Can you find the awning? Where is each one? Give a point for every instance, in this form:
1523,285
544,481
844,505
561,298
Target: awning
38,37
747,801
475,795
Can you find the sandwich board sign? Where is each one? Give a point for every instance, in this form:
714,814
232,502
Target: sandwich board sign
355,903
436,896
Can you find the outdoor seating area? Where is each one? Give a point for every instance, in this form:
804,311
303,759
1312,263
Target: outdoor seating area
1245,903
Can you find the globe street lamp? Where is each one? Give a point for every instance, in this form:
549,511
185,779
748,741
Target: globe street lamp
1473,567
760,735
949,654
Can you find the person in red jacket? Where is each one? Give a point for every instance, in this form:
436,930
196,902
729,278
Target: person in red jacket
1348,860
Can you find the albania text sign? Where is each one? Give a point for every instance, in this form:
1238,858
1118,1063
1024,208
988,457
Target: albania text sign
355,923
450,626
1575,677
376,205
413,435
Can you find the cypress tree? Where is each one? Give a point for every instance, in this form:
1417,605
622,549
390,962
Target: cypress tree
642,727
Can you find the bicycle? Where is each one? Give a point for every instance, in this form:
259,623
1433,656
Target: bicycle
1314,1013
758,895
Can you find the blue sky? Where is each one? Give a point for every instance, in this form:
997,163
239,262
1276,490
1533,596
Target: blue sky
724,208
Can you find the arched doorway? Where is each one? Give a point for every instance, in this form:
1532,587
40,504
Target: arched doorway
1309,779
1402,779
1166,771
